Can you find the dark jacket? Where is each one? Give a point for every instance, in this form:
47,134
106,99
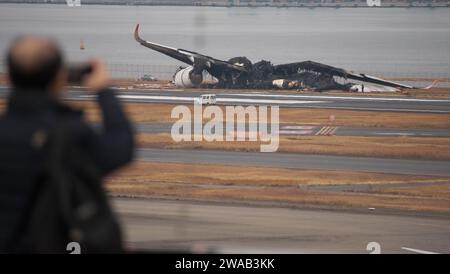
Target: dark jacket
27,116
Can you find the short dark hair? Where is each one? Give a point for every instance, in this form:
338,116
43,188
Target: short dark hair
40,74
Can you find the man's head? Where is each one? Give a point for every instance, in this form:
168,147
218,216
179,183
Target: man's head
36,63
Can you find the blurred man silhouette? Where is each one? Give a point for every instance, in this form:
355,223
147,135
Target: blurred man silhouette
37,75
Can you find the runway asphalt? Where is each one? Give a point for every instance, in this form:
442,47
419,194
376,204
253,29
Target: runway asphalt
309,130
320,100
231,228
297,161
305,101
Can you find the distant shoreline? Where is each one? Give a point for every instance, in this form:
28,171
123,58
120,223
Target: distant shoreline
242,5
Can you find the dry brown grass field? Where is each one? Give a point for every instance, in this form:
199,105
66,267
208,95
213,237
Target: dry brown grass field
277,185
431,148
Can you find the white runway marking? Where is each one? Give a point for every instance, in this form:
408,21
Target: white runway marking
343,97
418,251
312,104
148,97
264,101
395,133
228,100
299,127
295,132
326,131
153,97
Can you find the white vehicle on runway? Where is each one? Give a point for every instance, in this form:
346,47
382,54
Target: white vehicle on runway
206,99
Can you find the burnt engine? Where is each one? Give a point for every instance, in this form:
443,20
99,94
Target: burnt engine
188,77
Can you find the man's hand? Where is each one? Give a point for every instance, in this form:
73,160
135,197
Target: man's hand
97,80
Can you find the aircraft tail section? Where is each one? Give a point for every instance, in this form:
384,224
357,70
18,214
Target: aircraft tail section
169,51
431,85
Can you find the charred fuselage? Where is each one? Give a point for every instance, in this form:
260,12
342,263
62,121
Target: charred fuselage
240,72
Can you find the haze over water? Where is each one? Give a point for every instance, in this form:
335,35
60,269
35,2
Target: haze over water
385,42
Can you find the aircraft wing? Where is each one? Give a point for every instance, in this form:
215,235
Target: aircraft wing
293,68
186,56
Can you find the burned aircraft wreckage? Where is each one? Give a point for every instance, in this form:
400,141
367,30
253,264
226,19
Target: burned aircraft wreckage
239,72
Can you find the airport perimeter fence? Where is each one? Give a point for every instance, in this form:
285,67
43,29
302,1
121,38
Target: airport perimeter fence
134,71
166,72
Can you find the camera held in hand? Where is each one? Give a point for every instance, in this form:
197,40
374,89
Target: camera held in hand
76,72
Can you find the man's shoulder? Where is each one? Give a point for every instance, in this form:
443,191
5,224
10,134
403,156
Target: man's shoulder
77,124
72,120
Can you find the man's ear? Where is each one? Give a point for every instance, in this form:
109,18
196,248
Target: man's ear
59,82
